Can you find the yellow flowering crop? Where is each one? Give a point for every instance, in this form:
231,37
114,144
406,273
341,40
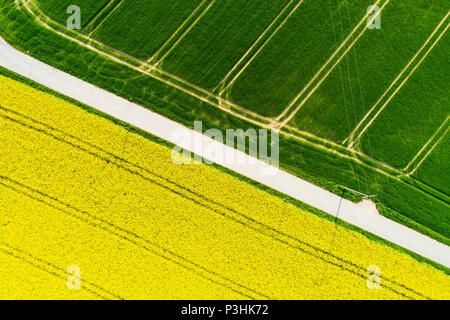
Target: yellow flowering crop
78,190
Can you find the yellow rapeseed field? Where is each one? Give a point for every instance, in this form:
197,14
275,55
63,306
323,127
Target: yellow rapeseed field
78,190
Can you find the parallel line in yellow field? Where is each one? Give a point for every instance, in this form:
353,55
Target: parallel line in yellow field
273,233
128,236
53,270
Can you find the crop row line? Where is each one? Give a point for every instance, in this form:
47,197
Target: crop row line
355,156
150,247
436,133
144,67
343,152
352,141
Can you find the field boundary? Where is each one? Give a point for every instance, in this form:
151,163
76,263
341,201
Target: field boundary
369,118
